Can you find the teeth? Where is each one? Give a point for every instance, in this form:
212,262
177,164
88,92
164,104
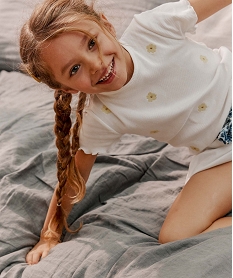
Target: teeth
107,74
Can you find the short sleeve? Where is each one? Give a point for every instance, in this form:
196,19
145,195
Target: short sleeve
170,20
95,135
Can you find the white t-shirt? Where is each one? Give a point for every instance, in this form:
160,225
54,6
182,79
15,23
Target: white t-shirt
179,92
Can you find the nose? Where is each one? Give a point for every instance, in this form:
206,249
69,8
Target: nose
95,64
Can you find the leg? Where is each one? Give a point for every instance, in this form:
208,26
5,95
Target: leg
201,205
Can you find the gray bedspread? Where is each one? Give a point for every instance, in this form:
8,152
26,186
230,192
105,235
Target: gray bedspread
128,195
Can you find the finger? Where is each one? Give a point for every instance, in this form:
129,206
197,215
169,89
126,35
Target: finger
29,258
36,257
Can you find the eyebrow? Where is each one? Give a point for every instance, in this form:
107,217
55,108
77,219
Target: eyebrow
71,62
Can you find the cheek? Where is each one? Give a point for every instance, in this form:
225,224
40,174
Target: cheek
81,83
110,46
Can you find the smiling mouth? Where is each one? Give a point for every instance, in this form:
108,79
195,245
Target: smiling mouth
110,73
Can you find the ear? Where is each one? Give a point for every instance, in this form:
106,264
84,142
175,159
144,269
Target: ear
108,25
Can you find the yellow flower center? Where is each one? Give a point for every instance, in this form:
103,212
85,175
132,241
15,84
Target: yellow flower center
151,97
151,48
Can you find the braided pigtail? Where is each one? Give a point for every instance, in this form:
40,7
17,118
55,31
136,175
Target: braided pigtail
67,173
77,125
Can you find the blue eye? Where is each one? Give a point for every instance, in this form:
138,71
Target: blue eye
91,43
74,70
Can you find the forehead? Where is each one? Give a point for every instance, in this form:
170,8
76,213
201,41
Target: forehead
81,29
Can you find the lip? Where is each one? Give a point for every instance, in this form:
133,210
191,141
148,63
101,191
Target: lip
110,76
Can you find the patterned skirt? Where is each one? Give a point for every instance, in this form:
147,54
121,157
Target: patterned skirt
225,135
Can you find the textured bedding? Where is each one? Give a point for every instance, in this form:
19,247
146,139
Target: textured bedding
128,194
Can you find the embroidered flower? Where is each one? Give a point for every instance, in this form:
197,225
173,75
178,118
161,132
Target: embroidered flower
154,131
151,48
151,97
194,148
106,110
203,59
202,107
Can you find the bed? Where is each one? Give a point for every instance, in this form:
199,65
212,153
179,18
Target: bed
129,190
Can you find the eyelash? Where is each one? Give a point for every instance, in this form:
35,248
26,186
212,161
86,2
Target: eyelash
91,44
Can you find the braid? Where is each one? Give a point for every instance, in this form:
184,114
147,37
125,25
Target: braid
79,114
67,173
62,131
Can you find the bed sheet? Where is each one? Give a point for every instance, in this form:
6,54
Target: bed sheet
128,195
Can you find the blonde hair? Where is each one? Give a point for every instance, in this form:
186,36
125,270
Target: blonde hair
49,19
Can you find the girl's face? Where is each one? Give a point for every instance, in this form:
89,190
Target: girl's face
76,63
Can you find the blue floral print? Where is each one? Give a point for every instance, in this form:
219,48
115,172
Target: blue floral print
225,135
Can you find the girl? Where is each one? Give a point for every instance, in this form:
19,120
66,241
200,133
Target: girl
154,82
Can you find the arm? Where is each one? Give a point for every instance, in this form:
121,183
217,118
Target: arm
206,8
84,163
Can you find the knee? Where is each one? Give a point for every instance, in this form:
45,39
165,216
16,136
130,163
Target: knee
169,234
165,236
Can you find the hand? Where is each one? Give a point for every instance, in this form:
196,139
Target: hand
40,251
